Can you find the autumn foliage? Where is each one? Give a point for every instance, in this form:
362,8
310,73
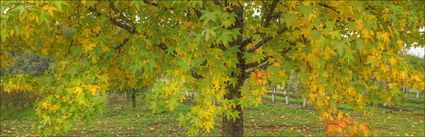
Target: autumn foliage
227,52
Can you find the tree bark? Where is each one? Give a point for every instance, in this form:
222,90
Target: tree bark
274,91
417,93
286,97
304,102
234,127
230,127
133,98
187,97
405,92
193,98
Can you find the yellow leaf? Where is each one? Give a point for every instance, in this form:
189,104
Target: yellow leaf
96,29
403,74
392,85
88,45
364,128
359,24
257,100
93,89
259,51
393,61
78,91
86,32
53,108
385,37
384,68
216,83
400,44
340,115
49,9
105,49
328,53
249,46
365,33
45,104
417,78
11,33
326,115
208,125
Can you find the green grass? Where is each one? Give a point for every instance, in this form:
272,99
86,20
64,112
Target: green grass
269,119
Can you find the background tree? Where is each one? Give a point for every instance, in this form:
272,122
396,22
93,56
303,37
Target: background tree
23,65
235,47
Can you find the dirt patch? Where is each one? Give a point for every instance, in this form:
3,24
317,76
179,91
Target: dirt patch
421,115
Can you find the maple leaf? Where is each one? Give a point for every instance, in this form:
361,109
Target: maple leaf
45,104
393,61
86,32
259,51
331,46
49,9
96,30
88,45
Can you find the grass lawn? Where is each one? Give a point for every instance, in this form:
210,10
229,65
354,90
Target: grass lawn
270,119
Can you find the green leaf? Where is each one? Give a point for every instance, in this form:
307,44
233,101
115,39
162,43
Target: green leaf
226,37
208,16
316,21
340,47
289,19
306,10
359,45
315,34
3,35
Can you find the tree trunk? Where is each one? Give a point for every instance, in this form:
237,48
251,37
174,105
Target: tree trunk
304,102
405,92
417,93
274,91
126,96
133,98
193,97
230,128
187,97
286,97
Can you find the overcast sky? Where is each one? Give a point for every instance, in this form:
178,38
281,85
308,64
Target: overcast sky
419,52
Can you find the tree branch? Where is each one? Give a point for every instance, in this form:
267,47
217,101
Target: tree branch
122,24
150,3
265,62
261,42
122,44
269,13
217,2
329,7
256,67
197,76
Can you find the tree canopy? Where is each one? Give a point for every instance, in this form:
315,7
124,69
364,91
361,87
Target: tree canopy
225,51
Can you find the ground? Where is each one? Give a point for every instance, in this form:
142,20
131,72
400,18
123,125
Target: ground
269,119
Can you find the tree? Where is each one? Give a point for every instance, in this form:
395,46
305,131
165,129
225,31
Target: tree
26,65
224,50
